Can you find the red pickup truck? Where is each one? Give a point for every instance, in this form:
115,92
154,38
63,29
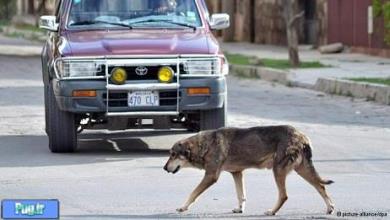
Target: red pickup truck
122,64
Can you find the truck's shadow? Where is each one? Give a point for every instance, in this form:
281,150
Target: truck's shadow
128,142
33,151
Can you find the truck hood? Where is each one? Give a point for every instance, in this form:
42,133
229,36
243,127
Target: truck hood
138,42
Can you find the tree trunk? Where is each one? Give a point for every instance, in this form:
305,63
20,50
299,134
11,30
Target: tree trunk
31,7
291,15
293,51
228,6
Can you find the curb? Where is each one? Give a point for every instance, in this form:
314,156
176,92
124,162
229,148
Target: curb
368,91
263,73
11,50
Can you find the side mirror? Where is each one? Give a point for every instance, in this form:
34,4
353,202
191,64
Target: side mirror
48,23
219,21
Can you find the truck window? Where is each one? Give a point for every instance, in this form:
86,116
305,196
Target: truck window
141,13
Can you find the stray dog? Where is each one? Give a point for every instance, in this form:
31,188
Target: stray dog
280,148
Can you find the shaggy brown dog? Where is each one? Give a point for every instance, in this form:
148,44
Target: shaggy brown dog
280,148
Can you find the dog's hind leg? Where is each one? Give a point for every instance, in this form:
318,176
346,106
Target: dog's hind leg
307,171
208,180
240,189
280,173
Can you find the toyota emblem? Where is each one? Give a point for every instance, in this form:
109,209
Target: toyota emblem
141,71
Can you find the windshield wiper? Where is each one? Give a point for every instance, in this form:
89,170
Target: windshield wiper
101,22
166,21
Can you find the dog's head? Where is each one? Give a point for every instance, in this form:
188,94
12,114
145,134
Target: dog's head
179,157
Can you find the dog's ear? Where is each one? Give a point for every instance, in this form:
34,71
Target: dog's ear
181,148
187,154
185,150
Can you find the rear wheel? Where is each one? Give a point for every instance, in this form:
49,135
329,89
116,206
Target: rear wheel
61,126
213,119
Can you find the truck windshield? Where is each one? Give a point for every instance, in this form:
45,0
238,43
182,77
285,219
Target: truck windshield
134,14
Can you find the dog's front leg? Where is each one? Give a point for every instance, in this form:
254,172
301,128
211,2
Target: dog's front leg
240,189
208,180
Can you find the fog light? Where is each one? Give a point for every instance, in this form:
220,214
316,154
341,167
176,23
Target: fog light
84,93
198,91
165,74
118,76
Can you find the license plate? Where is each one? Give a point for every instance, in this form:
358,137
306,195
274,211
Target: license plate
143,99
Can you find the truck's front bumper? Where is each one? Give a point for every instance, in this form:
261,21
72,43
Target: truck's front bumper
63,90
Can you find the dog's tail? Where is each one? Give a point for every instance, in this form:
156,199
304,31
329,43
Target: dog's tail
307,163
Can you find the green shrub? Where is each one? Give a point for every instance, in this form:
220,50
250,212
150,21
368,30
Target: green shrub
382,81
239,59
7,9
386,17
383,9
377,7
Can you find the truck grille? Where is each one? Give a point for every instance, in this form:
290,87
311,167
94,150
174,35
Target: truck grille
119,99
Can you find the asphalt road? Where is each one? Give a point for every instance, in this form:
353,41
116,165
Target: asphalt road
351,146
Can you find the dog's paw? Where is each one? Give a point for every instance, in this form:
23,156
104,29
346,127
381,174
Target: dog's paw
330,210
269,213
183,209
238,211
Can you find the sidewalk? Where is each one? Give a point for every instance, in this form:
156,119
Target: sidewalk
19,47
344,65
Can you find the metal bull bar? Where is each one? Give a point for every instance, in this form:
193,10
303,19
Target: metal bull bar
136,61
136,86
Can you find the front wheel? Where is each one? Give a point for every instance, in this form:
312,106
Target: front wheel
62,127
213,119
47,104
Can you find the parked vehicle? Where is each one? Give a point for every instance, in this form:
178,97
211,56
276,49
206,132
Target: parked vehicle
122,64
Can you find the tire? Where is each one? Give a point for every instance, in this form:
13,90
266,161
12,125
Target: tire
62,127
213,119
47,104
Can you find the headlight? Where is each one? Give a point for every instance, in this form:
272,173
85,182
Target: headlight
119,76
207,66
165,74
77,69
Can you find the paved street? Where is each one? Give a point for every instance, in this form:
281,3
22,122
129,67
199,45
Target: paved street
351,146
